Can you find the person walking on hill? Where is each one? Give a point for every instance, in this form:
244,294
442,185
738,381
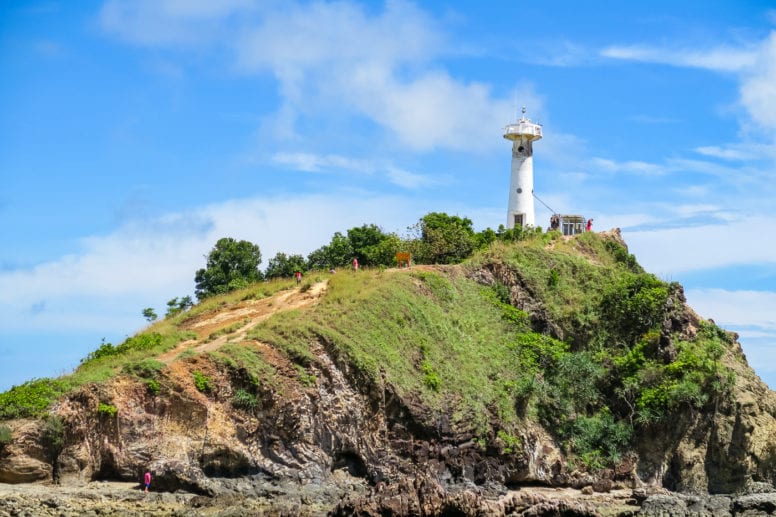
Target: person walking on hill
147,481
589,225
355,264
298,277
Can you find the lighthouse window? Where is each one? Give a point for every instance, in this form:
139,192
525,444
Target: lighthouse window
519,191
520,149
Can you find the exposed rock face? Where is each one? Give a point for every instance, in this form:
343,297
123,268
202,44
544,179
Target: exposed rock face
25,460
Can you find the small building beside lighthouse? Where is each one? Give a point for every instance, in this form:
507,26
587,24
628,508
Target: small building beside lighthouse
520,210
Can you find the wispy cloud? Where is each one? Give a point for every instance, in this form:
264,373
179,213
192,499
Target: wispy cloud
630,166
754,63
720,59
332,163
753,309
145,263
726,153
670,251
170,22
310,162
337,56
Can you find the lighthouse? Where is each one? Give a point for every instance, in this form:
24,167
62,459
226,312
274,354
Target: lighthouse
523,133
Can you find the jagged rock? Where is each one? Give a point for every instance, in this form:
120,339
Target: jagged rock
664,505
25,460
755,504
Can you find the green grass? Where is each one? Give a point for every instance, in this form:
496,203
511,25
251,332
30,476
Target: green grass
246,365
426,334
145,368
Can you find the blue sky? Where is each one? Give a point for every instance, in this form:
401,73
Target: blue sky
134,134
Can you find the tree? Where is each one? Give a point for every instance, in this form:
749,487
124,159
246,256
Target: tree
337,253
363,239
186,303
284,266
383,253
231,265
444,239
176,306
149,314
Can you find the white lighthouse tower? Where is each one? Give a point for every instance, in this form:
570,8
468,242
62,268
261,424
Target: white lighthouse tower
523,133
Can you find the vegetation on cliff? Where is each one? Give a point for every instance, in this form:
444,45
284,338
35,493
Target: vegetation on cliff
566,333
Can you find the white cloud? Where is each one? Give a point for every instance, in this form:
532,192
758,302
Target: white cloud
169,22
753,63
338,57
115,276
758,86
407,179
669,251
726,153
631,166
310,162
719,59
737,308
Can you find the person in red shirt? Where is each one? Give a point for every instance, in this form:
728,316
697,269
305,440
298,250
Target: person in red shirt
298,277
589,225
147,481
355,264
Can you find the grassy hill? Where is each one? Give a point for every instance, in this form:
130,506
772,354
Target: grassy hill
566,333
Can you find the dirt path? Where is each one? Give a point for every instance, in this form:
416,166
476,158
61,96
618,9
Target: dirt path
217,327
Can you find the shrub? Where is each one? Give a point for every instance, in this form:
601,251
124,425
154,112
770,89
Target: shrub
146,368
633,306
53,434
6,436
30,399
131,344
153,386
621,255
202,382
430,377
554,278
599,437
107,410
512,444
538,350
245,400
502,292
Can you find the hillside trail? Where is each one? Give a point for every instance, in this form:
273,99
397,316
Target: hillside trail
233,323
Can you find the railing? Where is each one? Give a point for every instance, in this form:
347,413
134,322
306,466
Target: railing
523,129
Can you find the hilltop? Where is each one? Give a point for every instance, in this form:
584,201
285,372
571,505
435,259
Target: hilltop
550,361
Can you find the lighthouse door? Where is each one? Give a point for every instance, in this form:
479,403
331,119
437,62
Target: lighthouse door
519,220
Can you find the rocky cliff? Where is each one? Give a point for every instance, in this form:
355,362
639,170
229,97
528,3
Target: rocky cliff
421,391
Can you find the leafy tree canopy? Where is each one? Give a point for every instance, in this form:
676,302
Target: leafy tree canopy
231,265
364,240
283,265
446,239
149,314
337,253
